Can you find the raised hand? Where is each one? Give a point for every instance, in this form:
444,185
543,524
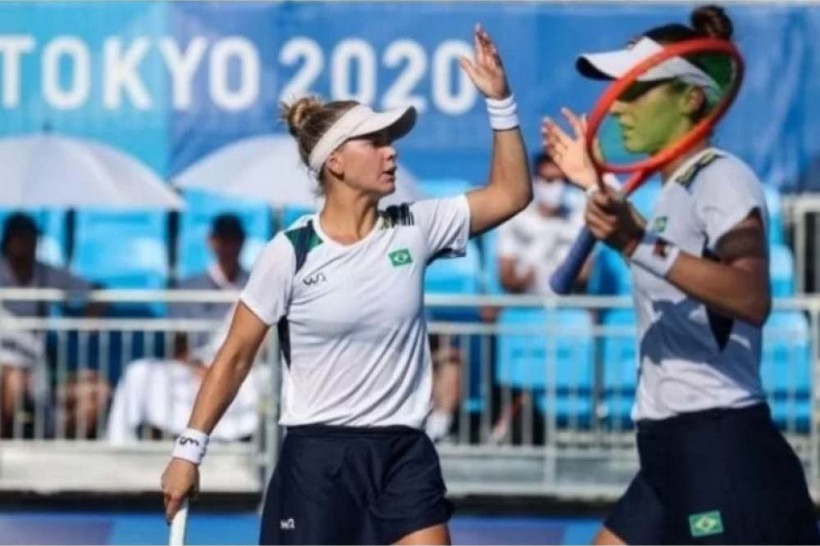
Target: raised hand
570,152
487,72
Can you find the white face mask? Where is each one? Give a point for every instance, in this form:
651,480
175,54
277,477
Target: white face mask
550,194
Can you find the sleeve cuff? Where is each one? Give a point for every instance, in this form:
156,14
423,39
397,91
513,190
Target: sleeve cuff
729,222
256,308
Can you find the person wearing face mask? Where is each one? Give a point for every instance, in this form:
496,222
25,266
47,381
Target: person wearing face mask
534,242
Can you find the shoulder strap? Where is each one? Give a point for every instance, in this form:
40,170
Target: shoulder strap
686,178
304,239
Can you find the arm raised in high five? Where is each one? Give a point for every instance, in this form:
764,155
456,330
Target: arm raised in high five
509,189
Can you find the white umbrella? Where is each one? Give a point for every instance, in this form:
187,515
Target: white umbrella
268,168
47,170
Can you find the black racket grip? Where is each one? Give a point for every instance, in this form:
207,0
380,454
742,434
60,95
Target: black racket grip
564,277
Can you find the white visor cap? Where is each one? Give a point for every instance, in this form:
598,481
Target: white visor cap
359,121
611,65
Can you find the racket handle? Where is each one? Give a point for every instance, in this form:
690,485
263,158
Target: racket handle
564,277
179,525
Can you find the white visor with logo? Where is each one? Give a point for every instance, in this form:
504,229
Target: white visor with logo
359,121
612,65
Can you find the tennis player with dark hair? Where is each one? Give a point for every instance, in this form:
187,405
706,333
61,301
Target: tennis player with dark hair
714,468
344,288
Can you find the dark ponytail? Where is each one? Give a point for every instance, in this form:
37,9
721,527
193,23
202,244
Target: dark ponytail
713,22
707,22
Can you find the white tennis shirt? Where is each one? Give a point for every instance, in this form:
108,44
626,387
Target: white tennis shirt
691,358
350,317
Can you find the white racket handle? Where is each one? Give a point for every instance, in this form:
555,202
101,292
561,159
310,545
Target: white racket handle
179,525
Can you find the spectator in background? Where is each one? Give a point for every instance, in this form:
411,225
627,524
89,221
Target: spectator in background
447,366
22,360
155,395
530,246
533,243
19,268
226,239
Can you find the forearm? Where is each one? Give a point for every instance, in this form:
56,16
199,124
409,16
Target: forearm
218,389
509,173
724,288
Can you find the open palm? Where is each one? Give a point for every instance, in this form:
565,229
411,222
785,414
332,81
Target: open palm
569,152
487,71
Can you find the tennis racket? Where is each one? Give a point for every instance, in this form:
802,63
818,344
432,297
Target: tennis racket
179,525
563,278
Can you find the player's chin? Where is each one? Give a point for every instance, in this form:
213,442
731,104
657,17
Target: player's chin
632,145
386,185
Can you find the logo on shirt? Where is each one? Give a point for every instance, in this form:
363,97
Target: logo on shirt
705,524
401,257
659,226
316,278
287,524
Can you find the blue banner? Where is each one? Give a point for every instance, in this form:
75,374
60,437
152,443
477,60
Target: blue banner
171,82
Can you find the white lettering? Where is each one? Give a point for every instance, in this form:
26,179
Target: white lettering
248,88
77,92
342,66
400,94
182,67
444,60
300,84
120,73
11,49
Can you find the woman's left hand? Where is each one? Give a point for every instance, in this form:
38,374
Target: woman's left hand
487,72
610,219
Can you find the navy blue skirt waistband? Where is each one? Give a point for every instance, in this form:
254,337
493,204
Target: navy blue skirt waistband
756,411
340,430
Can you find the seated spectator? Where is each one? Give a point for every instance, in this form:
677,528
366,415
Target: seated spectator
157,395
23,357
447,366
226,238
533,243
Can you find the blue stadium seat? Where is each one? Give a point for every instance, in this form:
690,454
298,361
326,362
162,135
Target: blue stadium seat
525,343
455,276
436,188
193,255
619,358
775,205
291,214
786,368
781,270
609,275
126,250
53,244
489,263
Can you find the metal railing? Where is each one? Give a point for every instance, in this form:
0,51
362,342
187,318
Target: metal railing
539,388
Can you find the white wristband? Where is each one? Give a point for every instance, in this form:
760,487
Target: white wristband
191,446
503,113
655,254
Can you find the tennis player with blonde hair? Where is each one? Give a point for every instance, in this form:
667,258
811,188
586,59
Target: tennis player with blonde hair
344,288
